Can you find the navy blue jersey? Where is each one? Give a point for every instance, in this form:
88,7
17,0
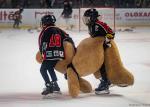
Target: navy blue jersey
51,43
99,28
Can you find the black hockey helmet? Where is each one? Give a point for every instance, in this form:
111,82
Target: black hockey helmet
21,9
48,20
90,15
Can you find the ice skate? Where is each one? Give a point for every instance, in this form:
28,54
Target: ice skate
48,89
56,88
103,88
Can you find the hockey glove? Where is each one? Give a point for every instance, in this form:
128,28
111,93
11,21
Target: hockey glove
110,36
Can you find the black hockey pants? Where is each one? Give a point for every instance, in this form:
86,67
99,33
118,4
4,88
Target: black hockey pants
48,67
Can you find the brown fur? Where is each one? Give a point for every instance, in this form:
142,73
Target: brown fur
117,73
97,74
89,56
88,59
85,86
73,83
39,58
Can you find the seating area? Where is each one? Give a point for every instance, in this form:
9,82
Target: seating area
75,3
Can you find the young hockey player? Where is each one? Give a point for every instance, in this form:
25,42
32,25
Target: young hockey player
98,28
51,48
17,18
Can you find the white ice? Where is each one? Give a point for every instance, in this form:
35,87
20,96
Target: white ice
21,82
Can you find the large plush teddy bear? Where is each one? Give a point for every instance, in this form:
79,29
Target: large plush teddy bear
87,59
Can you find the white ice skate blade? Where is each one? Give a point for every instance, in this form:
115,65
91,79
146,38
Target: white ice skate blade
112,85
122,85
57,92
102,92
52,95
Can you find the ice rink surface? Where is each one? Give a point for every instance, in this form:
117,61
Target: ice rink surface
21,82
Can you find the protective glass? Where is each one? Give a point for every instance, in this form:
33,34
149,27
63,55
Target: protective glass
86,20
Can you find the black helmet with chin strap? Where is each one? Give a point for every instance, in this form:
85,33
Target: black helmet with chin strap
90,15
48,20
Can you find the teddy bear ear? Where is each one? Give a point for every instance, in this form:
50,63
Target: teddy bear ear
39,58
